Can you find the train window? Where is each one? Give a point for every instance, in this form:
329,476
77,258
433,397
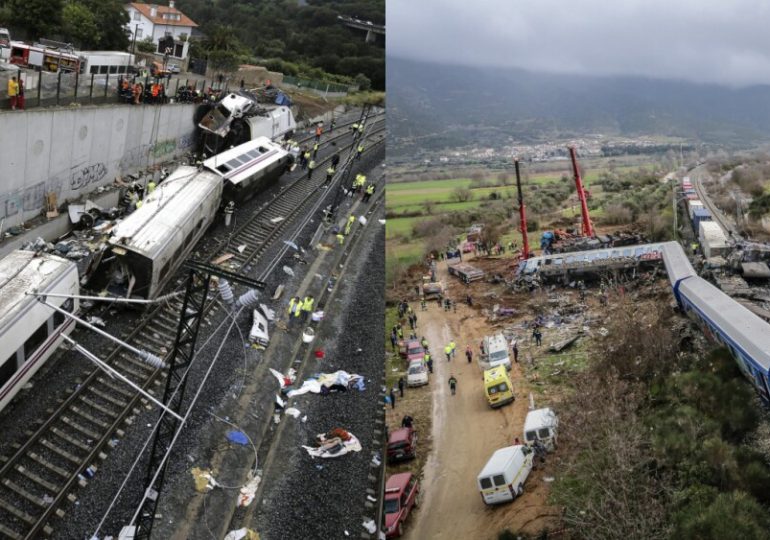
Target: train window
253,154
68,304
262,149
7,370
164,271
58,319
94,70
113,69
35,340
200,224
103,69
223,168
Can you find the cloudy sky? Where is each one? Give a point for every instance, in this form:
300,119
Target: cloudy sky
721,41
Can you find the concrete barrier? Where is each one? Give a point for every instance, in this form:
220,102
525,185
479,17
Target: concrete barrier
71,152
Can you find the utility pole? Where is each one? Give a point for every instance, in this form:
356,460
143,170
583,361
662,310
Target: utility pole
193,307
522,214
133,41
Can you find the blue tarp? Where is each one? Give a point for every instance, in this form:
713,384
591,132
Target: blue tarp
238,437
282,99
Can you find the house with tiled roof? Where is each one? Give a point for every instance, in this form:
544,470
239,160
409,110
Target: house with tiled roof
169,28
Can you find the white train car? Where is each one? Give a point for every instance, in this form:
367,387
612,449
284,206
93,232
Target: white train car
151,243
238,118
29,330
250,168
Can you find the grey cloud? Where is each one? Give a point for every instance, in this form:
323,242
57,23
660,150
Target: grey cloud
725,42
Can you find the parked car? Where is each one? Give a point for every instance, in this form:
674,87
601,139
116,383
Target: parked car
414,350
417,374
401,492
402,444
173,68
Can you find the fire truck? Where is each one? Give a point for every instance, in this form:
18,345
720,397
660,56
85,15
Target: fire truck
45,56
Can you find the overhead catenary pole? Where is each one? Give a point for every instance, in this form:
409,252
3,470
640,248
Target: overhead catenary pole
522,214
588,229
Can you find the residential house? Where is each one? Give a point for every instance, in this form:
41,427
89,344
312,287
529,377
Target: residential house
169,28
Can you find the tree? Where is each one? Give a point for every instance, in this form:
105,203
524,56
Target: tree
462,195
363,82
146,45
39,17
79,25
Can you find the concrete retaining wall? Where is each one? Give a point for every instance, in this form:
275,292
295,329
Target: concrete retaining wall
71,152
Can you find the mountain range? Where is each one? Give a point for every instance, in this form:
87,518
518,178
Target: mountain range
435,106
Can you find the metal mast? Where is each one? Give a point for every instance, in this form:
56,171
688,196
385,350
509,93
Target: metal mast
522,214
588,229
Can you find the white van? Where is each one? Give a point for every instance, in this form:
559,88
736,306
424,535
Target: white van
496,351
417,375
502,478
541,425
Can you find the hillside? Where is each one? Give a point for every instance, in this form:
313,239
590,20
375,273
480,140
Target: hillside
446,106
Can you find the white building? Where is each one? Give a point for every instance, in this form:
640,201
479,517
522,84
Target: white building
166,25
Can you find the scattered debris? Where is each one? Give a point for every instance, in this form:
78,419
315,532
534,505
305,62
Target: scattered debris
285,380
277,219
291,411
267,312
308,335
223,258
335,443
249,490
288,271
278,292
240,534
325,383
242,248
370,526
258,331
237,437
203,480
291,244
96,321
561,345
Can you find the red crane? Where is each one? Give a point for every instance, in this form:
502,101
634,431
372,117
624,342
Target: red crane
522,214
588,229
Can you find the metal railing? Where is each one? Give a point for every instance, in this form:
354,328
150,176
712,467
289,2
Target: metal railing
45,89
323,86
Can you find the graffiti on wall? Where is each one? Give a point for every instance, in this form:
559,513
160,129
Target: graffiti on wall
87,175
161,148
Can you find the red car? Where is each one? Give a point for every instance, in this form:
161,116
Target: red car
402,444
414,351
400,497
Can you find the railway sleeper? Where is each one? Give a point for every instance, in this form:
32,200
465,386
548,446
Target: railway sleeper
153,336
109,383
99,406
20,514
92,435
131,374
31,497
70,440
48,465
61,451
42,482
172,322
91,418
10,533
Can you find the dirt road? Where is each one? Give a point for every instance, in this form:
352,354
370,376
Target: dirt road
465,433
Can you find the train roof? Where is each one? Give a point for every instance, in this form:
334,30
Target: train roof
175,200
678,266
22,271
745,329
241,162
531,265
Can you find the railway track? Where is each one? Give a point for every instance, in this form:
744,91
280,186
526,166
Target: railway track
716,213
66,449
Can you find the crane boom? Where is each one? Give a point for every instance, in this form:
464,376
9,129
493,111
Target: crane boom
522,214
588,229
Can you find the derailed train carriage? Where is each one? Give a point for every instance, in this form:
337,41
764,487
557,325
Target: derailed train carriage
151,243
29,330
722,319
